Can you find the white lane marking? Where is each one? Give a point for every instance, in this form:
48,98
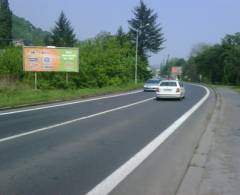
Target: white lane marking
69,103
72,121
108,184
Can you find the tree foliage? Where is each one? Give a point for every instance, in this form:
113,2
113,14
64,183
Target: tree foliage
150,32
103,61
5,24
166,68
63,33
219,63
106,61
24,30
121,36
11,63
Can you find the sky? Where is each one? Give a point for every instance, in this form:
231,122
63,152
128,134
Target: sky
185,23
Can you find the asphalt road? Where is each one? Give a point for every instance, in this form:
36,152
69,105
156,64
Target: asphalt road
73,158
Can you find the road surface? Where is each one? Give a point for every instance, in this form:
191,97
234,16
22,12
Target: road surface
70,149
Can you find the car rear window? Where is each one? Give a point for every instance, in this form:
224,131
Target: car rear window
153,81
171,84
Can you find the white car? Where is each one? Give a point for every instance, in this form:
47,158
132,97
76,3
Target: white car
170,89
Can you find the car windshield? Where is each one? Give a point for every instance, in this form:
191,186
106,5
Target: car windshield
153,81
172,84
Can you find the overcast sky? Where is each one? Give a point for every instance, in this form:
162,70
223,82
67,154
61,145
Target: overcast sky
185,22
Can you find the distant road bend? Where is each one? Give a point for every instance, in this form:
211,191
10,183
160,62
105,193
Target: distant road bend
69,149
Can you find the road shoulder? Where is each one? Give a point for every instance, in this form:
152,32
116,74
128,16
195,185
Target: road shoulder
215,167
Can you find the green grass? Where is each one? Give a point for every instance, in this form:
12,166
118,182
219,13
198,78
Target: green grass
236,88
10,98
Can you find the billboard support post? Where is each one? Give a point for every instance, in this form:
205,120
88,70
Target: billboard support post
35,83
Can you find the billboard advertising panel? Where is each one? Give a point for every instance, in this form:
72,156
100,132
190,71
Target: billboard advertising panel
45,59
176,70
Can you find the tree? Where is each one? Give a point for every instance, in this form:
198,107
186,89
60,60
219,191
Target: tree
121,36
231,46
198,48
150,32
231,40
47,40
5,24
207,62
166,69
63,33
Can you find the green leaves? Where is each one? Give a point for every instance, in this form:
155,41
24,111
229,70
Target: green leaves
5,24
219,63
63,33
11,63
24,30
166,69
150,32
105,61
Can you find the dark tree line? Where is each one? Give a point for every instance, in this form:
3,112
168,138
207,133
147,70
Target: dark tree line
5,24
219,63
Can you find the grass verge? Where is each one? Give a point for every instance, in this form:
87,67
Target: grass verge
236,88
22,97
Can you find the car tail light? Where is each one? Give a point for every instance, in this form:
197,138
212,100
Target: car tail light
157,90
178,90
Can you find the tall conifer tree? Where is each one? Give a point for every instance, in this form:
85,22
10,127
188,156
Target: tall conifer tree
63,33
5,24
150,32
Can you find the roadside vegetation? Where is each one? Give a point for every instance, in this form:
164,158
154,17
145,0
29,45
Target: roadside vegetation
19,95
106,62
236,88
213,64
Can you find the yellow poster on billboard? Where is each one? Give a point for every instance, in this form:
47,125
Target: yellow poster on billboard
53,59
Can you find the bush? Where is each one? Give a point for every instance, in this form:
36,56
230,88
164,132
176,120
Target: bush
103,62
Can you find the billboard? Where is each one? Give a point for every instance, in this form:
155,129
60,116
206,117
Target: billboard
46,59
176,70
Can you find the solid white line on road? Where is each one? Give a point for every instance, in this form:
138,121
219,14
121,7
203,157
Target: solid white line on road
108,184
72,121
68,103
